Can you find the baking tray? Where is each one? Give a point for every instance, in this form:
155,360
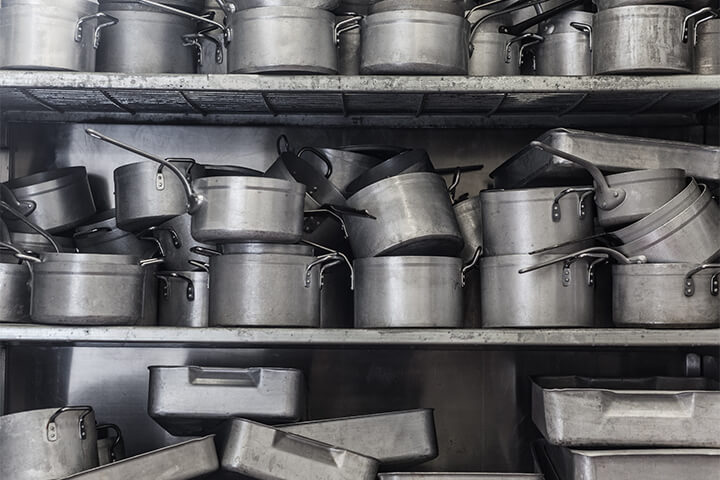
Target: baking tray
610,153
267,453
641,412
656,464
183,461
394,438
192,401
459,476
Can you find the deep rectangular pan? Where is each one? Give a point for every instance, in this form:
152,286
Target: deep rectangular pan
183,461
267,453
657,464
610,153
394,438
191,401
642,412
459,476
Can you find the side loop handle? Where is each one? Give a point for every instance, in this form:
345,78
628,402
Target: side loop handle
321,156
588,252
205,251
583,192
92,231
202,266
689,284
118,438
326,261
352,23
534,39
110,21
705,13
473,263
584,28
51,426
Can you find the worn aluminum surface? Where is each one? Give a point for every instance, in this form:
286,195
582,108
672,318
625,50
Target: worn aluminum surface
469,217
323,4
196,400
175,236
346,165
610,153
184,461
15,288
266,453
636,412
565,53
489,55
707,48
666,295
184,299
393,438
458,476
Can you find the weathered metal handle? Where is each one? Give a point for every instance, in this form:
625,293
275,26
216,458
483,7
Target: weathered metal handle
321,156
96,34
189,291
202,266
25,207
534,40
118,438
174,237
510,9
522,26
606,197
588,252
326,261
4,206
205,252
473,263
689,285
226,6
584,28
584,192
183,13
51,427
569,242
508,51
195,40
706,13
352,23
700,22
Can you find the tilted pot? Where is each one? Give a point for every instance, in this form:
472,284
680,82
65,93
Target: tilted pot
413,216
340,166
705,40
34,243
104,236
184,299
175,237
282,39
409,292
641,39
57,35
15,288
666,295
566,46
56,200
469,216
407,161
48,444
397,39
110,447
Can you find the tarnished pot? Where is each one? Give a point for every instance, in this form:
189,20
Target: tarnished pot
413,216
270,290
103,236
48,444
416,42
522,221
177,243
15,298
692,236
145,40
110,447
44,35
494,53
554,296
348,45
707,47
57,200
408,292
34,243
469,217
641,39
667,295
282,39
147,194
346,166
184,299
566,48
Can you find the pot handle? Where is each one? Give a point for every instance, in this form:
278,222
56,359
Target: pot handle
533,39
352,23
473,263
594,252
584,28
510,9
21,217
25,207
517,29
205,251
110,21
568,260
91,232
570,242
189,290
321,156
606,197
183,13
118,438
195,201
226,6
202,266
583,193
689,285
707,13
51,427
195,40
174,237
326,261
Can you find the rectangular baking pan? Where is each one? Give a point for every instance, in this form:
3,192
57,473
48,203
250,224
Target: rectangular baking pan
640,412
267,453
459,476
193,401
655,464
183,461
394,438
610,153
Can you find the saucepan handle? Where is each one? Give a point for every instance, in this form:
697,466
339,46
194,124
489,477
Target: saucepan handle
473,263
51,426
326,261
352,23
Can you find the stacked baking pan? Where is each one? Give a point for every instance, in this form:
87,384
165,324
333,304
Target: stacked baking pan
615,429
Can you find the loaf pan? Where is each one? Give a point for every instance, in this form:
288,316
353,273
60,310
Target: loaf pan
642,412
266,453
656,464
183,461
192,401
459,476
610,153
394,438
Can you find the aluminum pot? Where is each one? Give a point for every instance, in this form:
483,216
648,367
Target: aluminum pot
407,161
58,35
344,166
566,46
104,236
413,216
283,39
175,237
690,4
641,39
348,28
48,444
15,288
399,40
184,299
34,243
270,290
666,295
705,40
409,292
469,216
110,447
56,200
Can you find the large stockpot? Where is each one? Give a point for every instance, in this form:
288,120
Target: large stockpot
641,39
413,216
469,216
282,39
666,295
403,40
409,292
267,289
517,222
566,46
705,40
177,243
56,200
48,444
57,35
184,299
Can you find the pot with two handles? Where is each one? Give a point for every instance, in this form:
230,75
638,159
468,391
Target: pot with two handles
705,40
184,299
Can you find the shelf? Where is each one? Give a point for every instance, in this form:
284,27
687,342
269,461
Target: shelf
341,338
390,101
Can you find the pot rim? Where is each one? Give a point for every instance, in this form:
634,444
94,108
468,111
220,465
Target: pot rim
42,180
409,261
254,183
535,194
676,269
401,179
90,258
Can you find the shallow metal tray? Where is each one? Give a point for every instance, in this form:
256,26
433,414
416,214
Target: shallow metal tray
266,453
183,461
658,464
191,401
393,438
610,153
641,412
459,476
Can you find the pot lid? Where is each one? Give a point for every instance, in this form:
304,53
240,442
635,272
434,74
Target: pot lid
453,7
